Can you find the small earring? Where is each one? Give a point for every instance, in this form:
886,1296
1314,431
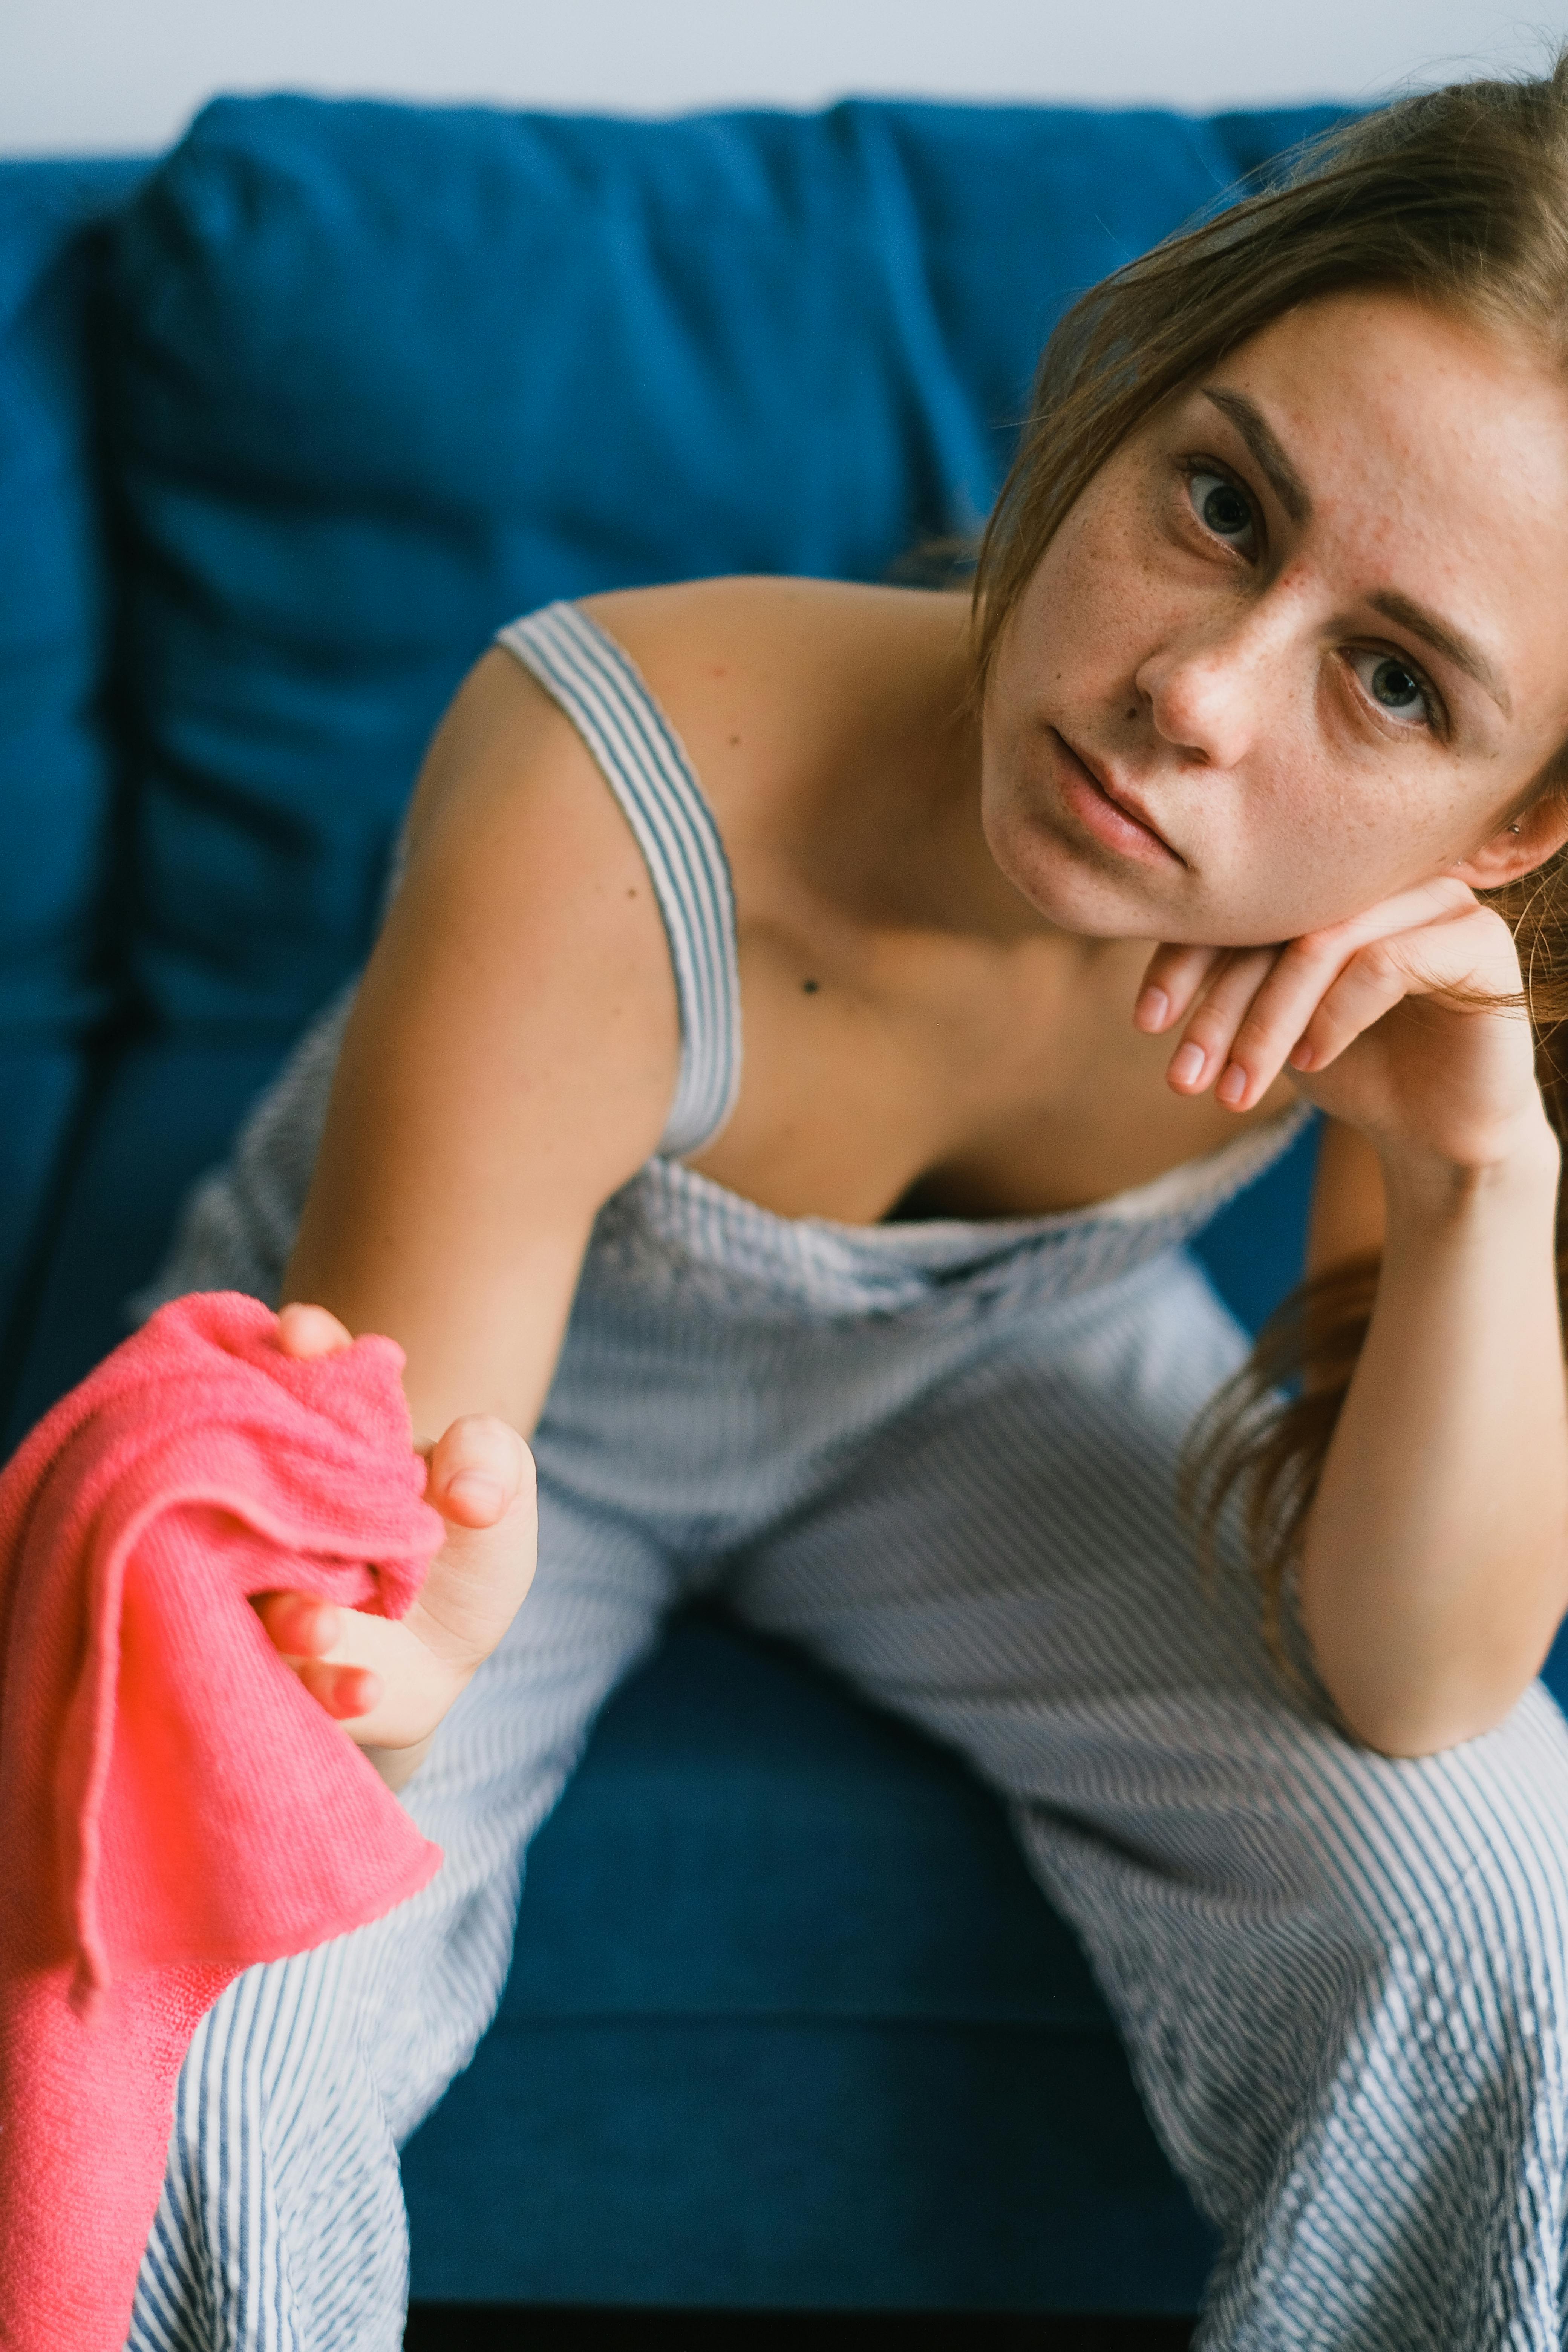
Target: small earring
1513,828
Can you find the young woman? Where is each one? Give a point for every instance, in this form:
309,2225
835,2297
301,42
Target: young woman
1241,789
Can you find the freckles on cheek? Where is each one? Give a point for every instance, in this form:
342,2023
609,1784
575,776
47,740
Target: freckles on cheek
1306,853
1401,821
1336,852
1101,640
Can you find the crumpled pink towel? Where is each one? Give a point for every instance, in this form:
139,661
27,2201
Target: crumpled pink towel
174,1806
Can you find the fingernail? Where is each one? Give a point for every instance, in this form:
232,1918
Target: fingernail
474,1488
317,1623
1150,1010
1232,1086
1301,1055
1187,1065
355,1692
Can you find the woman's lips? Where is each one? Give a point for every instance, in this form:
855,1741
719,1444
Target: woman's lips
1109,815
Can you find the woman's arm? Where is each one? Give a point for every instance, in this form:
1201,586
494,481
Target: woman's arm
509,1065
1435,1566
1435,1571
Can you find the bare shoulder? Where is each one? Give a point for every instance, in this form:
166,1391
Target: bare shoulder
512,815
526,938
770,627
774,685
773,682
502,740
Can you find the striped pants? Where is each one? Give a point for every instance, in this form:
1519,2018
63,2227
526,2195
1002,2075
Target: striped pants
1341,1979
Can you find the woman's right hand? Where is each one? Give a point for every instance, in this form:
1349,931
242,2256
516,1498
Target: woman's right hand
390,1681
1405,1022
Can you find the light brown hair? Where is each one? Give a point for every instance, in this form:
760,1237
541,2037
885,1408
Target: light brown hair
1458,196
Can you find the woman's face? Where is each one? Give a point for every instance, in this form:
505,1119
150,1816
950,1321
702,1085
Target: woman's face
1303,640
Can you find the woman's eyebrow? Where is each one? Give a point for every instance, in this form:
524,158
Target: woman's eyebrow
1291,492
1261,439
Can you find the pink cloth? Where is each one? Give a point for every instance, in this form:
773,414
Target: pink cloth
174,1806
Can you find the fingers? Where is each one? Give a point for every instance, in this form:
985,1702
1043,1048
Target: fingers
346,1692
1203,1057
477,1470
301,1627
310,1331
1320,998
1299,1006
481,1481
297,1624
1172,981
480,1478
303,1630
1374,980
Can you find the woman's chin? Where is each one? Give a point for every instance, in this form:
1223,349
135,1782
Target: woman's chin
1075,894
1070,896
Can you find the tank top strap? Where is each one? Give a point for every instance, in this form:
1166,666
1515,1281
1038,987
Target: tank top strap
644,763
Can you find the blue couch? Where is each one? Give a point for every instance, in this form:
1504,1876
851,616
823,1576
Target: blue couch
289,421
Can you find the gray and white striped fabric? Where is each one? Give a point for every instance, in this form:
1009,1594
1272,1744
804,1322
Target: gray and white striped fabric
645,764
940,1457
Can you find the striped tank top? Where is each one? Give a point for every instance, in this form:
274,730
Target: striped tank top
645,764
670,1224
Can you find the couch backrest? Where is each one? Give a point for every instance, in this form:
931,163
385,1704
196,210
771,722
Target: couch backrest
57,763
380,377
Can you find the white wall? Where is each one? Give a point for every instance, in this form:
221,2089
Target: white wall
107,74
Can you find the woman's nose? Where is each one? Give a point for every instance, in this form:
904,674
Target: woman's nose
1205,697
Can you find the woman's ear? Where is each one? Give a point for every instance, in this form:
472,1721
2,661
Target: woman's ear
1522,845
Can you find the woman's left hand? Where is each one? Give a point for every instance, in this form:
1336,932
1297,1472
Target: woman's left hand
1368,1018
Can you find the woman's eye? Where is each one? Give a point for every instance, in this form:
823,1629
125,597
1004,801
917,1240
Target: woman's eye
1221,507
1397,692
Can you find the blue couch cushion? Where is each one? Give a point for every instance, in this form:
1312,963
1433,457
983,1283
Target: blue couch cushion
385,376
782,1851
161,1113
1255,1251
769,1937
56,767
43,1089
